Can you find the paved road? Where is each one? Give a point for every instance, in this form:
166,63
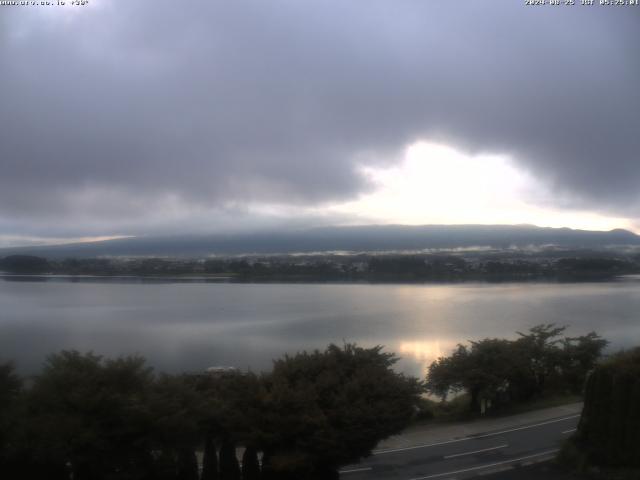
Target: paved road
467,456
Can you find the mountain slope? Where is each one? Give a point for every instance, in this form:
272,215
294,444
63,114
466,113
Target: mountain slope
354,239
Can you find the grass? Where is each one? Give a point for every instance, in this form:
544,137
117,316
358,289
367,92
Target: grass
546,401
457,409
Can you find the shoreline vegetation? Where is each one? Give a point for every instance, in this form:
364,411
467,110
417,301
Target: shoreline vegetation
92,418
566,266
88,417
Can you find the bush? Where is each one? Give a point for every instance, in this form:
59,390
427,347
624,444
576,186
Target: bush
608,435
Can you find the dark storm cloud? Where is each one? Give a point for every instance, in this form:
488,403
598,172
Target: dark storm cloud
108,111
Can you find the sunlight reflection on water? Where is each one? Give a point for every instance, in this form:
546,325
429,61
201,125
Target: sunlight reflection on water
196,325
426,351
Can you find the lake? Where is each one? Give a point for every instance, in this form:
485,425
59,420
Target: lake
191,326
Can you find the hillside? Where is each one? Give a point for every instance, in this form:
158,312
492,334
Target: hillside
376,238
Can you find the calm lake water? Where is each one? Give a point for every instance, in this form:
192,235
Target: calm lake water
190,326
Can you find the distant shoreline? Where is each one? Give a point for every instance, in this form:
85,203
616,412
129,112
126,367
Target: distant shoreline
392,269
310,280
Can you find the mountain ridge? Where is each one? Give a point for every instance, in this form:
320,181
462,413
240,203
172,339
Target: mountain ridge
363,238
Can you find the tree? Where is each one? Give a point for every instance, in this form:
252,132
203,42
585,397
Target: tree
446,374
229,468
608,433
10,391
500,371
540,347
178,411
187,464
233,405
24,264
250,464
581,355
485,371
209,459
10,385
327,409
90,413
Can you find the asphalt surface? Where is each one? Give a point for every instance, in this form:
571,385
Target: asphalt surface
469,456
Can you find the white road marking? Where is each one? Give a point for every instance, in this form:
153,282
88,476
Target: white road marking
475,451
427,445
528,426
489,465
570,430
354,470
464,439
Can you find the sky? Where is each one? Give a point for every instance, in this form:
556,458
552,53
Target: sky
122,118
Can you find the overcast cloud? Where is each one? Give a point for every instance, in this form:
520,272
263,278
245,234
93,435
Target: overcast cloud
127,117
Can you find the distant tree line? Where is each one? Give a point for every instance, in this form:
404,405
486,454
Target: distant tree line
85,417
338,267
495,372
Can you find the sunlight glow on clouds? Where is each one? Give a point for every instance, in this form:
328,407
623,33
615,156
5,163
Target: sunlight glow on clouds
7,241
436,184
148,118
